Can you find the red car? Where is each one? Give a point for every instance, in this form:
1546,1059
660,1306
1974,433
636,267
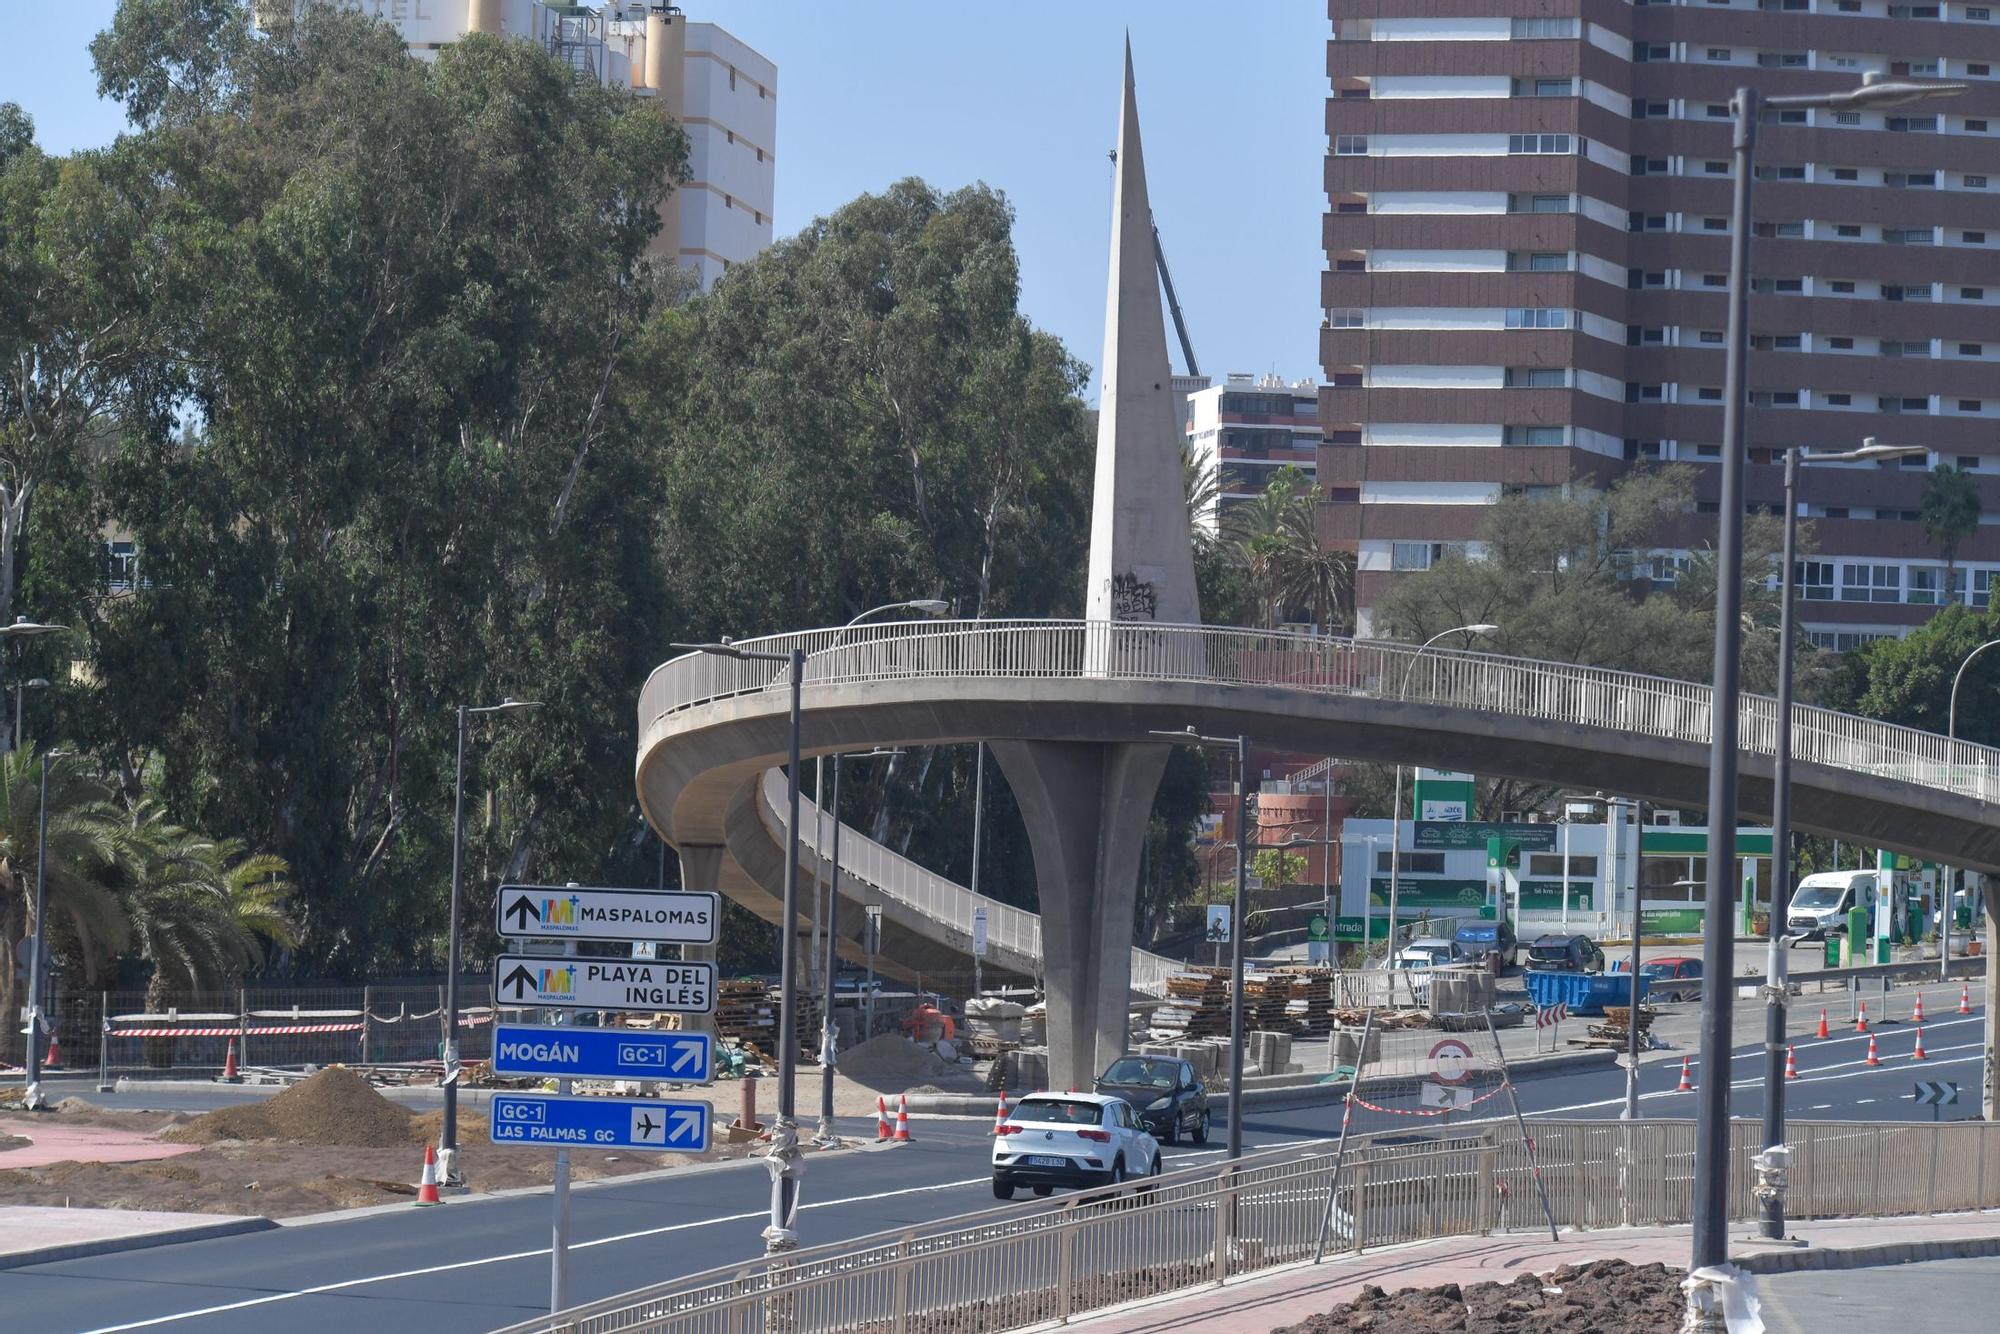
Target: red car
1664,973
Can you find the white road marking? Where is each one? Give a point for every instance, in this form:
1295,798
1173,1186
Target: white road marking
1862,1102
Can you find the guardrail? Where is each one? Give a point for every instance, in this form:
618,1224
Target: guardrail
1005,1268
1650,706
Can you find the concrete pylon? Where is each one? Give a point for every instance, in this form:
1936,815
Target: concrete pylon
701,868
1087,806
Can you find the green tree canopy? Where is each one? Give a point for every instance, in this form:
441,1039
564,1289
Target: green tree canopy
1949,510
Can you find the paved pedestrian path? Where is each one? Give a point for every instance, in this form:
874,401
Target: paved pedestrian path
54,1142
1260,1303
31,1234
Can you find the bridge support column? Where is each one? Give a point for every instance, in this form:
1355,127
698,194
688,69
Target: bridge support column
1086,806
701,868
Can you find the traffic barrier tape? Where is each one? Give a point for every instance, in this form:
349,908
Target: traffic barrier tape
1428,1111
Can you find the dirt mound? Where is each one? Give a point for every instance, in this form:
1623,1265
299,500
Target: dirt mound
1606,1297
890,1055
335,1106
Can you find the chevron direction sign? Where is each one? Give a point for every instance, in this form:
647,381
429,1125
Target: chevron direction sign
523,981
599,1123
1931,1094
567,912
601,1053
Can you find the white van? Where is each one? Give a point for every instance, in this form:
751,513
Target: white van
1821,902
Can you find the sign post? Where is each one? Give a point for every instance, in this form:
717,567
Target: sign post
1218,929
978,945
874,933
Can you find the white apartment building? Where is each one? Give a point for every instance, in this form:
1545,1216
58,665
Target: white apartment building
1247,428
724,94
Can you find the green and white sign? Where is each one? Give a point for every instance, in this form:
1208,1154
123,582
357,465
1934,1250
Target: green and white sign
1316,927
1433,835
1413,893
1670,920
1547,895
1443,795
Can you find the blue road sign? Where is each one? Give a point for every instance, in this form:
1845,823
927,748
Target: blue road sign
599,1123
601,1053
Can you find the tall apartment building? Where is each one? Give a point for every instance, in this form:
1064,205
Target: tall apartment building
1249,427
1527,251
723,93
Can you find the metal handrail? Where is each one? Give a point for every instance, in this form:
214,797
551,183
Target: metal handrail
1003,1268
1008,928
1627,702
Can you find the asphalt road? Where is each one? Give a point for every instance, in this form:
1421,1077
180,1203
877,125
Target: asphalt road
477,1264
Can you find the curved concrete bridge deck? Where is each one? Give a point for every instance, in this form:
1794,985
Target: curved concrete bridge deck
709,726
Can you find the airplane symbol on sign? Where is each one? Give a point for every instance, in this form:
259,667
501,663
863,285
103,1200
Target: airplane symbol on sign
647,1125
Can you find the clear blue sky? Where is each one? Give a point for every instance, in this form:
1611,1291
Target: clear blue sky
1023,96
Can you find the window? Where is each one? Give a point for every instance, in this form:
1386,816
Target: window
1815,580
1973,238
1414,555
1537,143
1910,180
1848,230
1891,404
1847,118
1531,435
1539,204
1540,261
1766,228
1913,11
1708,393
1782,59
1417,863
1551,863
1547,88
1840,343
1715,168
1967,462
1871,583
1715,280
1781,172
1544,28
1971,294
1350,317
1841,286
1978,14
1969,405
1537,317
1906,291
1651,110
1718,110
1975,127
1846,174
1839,400
1350,145
1979,71
1350,266
1711,337
1911,124
121,566
1651,166
1971,349
1926,585
1642,54
1905,347
1982,586
1644,393
1535,377
1781,286
1646,222
1718,53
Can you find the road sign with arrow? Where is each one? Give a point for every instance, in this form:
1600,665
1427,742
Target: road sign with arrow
601,1053
599,1123
1930,1094
654,986
567,912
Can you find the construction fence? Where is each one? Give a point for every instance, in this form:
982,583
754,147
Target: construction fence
1010,1267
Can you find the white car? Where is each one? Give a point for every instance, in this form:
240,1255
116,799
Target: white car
1070,1139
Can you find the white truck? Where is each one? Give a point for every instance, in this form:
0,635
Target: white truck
1820,904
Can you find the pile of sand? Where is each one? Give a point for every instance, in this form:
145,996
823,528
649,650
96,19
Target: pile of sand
894,1056
335,1106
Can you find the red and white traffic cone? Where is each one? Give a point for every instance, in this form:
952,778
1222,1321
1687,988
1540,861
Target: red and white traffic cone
427,1189
1861,1019
54,1058
1822,1024
1000,1111
1965,998
1873,1059
229,1074
1918,1054
902,1118
882,1131
1917,1015
1791,1062
1687,1082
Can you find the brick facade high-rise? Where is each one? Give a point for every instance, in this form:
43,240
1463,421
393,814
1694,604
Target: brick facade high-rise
1527,250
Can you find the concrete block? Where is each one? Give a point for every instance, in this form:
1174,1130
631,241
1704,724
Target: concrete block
1347,1047
1027,1069
1205,1057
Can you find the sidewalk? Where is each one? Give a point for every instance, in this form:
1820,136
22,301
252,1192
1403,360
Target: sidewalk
30,1235
1259,1303
54,1142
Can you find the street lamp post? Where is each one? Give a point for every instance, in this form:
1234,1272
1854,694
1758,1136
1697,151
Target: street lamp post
1711,1171
20,689
37,965
1771,1193
826,1138
1396,807
1958,876
448,1132
23,629
1236,915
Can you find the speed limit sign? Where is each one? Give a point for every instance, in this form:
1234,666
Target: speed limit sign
1451,1061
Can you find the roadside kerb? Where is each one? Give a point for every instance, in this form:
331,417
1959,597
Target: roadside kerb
1791,1260
134,1241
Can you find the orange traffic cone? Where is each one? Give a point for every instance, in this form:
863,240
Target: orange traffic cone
882,1131
1873,1059
1791,1062
902,1118
1917,1015
1918,1054
229,1075
1000,1111
1687,1083
427,1189
54,1058
1965,998
1822,1024
1861,1019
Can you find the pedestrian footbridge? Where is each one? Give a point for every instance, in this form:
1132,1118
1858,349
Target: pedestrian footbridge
713,731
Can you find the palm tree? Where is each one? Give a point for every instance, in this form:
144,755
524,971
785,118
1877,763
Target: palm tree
1276,537
87,850
202,911
1949,513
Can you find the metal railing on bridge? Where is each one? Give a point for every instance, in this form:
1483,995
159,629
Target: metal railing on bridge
1651,706
1010,1267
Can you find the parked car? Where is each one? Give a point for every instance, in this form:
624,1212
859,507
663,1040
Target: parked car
1070,1139
1574,954
1664,973
1480,940
1165,1093
1420,957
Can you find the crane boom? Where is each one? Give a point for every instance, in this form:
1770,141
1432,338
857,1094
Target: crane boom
1173,303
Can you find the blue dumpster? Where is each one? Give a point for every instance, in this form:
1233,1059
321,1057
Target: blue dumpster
1584,993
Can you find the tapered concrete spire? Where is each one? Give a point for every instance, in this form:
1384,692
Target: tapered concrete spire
1141,553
